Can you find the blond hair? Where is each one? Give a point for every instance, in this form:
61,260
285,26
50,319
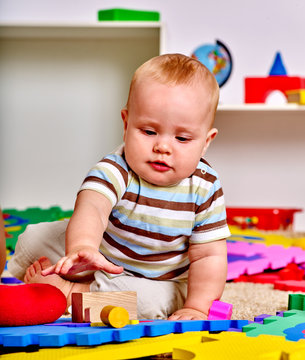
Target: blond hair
177,69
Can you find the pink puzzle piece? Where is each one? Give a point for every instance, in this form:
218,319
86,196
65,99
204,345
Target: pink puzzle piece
271,257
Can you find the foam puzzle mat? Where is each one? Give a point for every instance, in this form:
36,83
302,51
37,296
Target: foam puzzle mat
250,252
62,333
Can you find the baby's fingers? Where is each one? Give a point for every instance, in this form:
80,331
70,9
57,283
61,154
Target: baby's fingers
48,271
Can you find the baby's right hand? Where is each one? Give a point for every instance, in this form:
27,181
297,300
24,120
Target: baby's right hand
79,260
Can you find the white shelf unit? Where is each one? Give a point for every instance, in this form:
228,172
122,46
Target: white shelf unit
62,87
259,153
291,107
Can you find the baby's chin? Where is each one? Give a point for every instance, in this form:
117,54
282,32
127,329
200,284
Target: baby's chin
162,183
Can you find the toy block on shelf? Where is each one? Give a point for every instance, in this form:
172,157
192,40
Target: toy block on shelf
127,15
257,89
87,307
296,96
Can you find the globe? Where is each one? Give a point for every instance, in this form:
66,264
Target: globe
217,58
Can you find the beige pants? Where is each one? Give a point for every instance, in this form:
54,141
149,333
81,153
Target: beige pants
156,299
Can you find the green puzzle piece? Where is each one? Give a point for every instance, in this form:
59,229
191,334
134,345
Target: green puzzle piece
17,220
275,325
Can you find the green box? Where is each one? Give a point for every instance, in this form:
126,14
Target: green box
127,15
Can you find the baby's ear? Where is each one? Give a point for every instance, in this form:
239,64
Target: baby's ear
124,116
124,113
210,137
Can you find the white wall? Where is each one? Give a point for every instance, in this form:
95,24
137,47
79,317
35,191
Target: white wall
253,31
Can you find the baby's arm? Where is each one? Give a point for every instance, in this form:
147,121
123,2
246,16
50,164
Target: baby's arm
206,280
83,237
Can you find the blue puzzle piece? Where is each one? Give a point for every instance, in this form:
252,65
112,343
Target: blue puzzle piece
233,257
295,333
67,334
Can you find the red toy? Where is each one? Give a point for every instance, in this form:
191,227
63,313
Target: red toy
30,304
257,89
265,218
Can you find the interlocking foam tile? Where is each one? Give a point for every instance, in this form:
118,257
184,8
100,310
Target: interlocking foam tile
50,336
15,221
290,272
267,238
195,345
276,325
233,346
292,285
295,333
253,258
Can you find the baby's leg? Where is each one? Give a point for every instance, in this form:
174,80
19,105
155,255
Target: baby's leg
44,239
156,299
33,275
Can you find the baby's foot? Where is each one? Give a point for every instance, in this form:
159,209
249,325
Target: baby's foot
33,275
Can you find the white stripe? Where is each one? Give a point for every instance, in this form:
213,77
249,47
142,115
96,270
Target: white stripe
211,235
146,242
171,263
157,212
116,173
219,202
100,188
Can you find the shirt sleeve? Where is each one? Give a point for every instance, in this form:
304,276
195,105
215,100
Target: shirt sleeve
108,177
210,218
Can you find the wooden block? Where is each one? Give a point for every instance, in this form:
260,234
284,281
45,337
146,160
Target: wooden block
87,307
296,96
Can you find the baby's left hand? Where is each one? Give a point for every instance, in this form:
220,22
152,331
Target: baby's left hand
188,314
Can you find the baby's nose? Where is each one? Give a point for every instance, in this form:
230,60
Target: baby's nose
162,147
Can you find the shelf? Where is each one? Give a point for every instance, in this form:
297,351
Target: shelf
261,107
110,29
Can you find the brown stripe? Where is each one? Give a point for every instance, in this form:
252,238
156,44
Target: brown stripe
206,176
205,162
162,204
153,235
123,172
152,257
101,181
170,275
218,224
206,205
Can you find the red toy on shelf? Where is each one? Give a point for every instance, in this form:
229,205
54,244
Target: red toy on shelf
257,89
261,218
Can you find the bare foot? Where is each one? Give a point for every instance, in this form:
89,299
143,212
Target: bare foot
33,275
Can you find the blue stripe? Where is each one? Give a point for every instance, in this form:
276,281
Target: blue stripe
151,227
117,159
147,273
171,196
142,250
207,168
212,219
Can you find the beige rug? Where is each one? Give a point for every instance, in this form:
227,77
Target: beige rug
250,300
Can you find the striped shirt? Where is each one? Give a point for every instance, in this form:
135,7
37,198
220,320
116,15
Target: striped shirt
150,227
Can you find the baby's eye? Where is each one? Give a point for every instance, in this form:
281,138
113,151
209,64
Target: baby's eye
182,138
149,132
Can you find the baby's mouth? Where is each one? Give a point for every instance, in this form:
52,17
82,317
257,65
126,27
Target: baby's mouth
159,166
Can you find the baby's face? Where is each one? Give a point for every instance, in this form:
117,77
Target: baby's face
166,131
